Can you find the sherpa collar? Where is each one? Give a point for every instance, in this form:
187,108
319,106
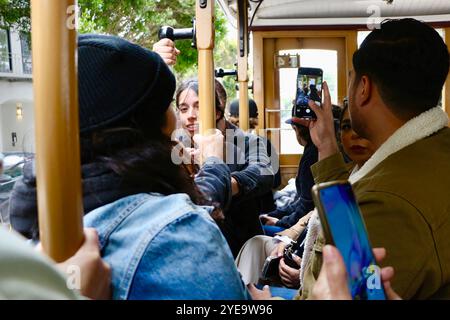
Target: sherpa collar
414,130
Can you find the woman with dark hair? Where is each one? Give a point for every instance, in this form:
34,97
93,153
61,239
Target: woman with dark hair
286,217
153,220
356,148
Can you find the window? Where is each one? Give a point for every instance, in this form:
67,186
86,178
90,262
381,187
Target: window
327,60
26,53
5,52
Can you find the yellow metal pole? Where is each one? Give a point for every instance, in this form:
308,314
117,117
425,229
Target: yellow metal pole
57,127
205,47
243,64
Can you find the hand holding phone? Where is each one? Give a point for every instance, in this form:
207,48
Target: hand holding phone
344,228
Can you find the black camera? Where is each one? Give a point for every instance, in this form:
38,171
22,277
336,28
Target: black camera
270,268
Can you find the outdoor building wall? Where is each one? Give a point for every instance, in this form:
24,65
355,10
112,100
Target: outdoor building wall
16,87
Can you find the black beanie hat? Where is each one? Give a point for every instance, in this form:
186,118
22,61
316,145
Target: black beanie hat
116,78
253,108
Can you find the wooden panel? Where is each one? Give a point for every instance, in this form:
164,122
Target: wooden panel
304,34
351,47
286,43
292,160
271,98
287,173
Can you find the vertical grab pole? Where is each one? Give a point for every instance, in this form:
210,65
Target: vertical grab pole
446,96
205,47
57,127
243,64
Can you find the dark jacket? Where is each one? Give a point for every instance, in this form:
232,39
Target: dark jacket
304,182
252,169
267,203
100,187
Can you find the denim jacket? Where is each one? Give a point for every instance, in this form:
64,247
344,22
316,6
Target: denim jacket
102,186
165,248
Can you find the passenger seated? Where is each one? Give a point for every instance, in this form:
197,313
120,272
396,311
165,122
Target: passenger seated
266,200
288,216
154,228
280,219
332,283
233,115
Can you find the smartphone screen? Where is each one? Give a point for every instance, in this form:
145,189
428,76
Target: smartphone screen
346,227
309,87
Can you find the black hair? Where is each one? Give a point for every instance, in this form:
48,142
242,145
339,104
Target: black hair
220,94
408,61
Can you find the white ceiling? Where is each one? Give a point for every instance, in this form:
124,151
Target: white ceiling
340,12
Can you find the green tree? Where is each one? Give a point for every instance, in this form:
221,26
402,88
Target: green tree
225,56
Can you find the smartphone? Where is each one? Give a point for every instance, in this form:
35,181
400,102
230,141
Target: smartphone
344,228
309,87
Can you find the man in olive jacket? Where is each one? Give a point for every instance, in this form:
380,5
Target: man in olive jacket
404,190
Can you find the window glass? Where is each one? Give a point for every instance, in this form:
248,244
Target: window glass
26,53
5,52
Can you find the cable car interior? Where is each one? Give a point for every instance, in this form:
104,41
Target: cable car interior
331,160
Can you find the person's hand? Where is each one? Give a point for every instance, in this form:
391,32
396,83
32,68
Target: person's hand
210,145
167,50
290,277
257,294
279,250
332,282
322,130
268,220
94,272
192,154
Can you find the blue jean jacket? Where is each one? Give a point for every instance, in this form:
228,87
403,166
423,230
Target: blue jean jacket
165,248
